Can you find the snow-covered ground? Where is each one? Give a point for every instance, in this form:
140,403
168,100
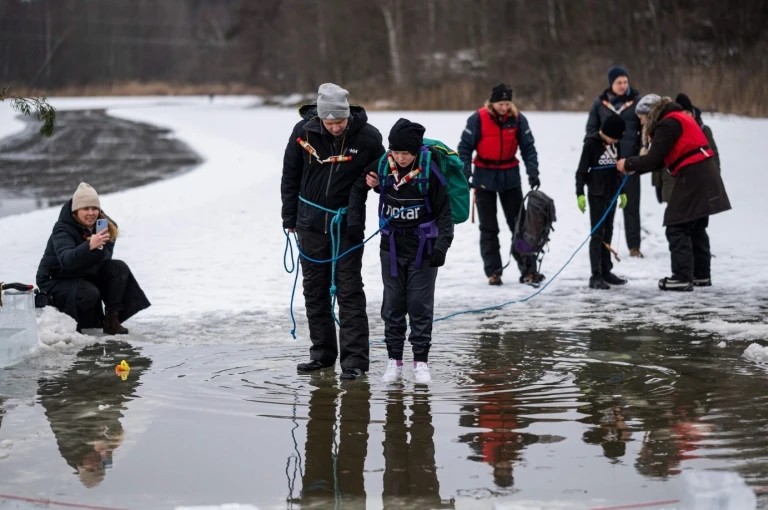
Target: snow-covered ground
208,247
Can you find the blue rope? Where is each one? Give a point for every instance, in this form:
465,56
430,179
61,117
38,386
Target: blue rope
295,267
335,230
541,289
335,256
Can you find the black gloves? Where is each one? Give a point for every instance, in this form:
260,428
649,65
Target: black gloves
659,196
437,259
534,181
355,233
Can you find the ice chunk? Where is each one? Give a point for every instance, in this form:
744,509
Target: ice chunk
18,327
716,490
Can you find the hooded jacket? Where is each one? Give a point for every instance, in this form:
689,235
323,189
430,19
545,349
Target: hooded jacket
624,106
68,260
597,168
329,185
698,189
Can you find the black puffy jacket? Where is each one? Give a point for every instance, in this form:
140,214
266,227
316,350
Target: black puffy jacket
329,185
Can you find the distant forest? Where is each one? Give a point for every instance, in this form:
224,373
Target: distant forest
406,54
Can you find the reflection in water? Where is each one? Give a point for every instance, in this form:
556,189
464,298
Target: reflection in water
498,370
674,431
336,445
664,405
608,389
410,474
85,403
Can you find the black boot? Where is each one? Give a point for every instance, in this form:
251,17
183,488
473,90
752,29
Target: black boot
612,279
597,282
112,324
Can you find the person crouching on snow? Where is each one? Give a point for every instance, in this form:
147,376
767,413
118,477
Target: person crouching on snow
597,171
679,144
417,230
78,272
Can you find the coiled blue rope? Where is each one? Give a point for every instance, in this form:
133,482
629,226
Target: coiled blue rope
335,231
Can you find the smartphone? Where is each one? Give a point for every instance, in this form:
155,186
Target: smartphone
101,224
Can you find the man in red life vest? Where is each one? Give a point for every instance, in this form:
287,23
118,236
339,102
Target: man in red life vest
494,133
679,145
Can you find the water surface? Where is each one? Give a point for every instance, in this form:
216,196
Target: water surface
581,420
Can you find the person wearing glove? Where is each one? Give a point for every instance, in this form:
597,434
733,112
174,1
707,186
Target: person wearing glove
490,141
418,230
597,172
622,99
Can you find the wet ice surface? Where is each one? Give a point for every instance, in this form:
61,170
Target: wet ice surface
591,419
575,398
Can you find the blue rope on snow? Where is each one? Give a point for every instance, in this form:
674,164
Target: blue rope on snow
540,290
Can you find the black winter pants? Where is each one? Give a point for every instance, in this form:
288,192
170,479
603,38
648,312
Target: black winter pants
689,249
107,285
411,293
599,256
487,214
353,332
632,211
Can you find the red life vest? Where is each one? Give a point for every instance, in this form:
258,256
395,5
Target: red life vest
692,146
497,146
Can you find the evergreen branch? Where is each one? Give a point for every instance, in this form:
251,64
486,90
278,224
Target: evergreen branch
37,106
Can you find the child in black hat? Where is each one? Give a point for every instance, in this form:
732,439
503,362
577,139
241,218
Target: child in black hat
597,171
416,232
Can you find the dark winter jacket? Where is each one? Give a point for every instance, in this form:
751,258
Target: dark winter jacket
624,106
330,185
597,168
698,191
497,179
410,196
68,260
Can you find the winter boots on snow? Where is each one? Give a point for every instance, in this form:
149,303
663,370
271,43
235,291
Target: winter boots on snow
112,324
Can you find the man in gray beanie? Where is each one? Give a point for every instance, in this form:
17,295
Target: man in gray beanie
323,193
332,102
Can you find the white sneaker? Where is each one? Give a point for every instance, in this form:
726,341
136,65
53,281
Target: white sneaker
421,373
394,372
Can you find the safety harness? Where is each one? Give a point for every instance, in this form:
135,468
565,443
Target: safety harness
389,178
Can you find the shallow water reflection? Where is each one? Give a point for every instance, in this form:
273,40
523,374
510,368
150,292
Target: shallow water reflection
85,403
575,419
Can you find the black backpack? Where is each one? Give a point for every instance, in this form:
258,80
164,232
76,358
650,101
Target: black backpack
534,223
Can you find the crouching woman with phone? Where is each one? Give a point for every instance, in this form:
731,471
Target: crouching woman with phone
78,272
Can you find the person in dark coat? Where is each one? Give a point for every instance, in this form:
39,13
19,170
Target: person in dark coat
416,234
597,171
494,133
621,99
78,272
662,180
323,195
679,145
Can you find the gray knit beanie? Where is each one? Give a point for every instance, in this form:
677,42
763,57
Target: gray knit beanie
646,103
85,196
332,102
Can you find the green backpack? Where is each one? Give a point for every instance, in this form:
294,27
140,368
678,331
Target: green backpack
450,175
452,169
